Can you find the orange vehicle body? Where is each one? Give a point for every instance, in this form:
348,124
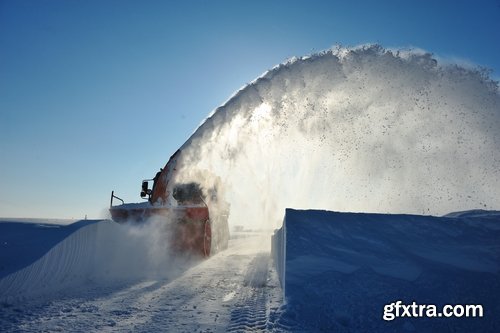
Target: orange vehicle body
187,217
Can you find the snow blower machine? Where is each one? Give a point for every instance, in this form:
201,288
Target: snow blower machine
196,219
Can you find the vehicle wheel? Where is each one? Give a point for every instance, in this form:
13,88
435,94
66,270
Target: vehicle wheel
207,239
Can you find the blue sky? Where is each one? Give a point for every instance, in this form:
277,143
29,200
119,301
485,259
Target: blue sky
96,95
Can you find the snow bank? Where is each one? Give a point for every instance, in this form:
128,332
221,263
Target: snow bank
23,241
92,253
338,270
64,264
278,254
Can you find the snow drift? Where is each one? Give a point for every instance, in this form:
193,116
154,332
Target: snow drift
23,241
338,270
93,253
354,129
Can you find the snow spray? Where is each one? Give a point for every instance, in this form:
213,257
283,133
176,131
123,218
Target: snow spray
362,129
138,250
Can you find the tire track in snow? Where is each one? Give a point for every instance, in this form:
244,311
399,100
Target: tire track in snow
254,311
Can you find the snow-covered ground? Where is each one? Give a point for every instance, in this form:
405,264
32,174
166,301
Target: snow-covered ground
350,129
87,282
338,271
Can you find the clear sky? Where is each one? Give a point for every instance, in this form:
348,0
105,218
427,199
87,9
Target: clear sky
96,95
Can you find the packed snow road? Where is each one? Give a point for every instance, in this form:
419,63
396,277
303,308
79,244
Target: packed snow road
235,290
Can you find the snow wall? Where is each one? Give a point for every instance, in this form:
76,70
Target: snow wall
362,129
96,253
338,270
23,241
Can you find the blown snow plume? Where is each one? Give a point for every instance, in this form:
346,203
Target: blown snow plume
354,129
